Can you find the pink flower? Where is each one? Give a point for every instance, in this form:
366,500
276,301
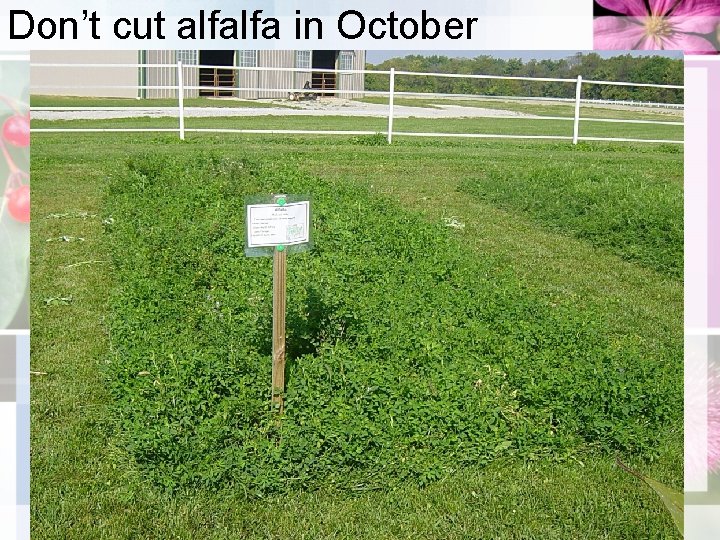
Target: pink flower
702,414
713,412
685,25
707,432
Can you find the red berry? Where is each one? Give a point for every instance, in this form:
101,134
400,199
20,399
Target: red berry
16,130
19,203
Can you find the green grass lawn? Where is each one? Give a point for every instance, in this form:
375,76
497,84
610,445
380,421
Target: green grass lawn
492,126
86,483
565,110
611,203
549,108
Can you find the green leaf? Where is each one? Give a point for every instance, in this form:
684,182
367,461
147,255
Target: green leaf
673,500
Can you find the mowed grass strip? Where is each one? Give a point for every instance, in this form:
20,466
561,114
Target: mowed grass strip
488,126
539,108
516,500
621,206
425,176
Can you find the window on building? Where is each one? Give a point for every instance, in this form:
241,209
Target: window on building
346,60
247,58
303,59
188,58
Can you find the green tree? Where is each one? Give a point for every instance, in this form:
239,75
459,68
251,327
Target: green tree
627,68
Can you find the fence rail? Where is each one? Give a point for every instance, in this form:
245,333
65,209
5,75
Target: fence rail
181,90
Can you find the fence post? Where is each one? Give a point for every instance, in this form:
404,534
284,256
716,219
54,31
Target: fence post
181,98
576,127
391,110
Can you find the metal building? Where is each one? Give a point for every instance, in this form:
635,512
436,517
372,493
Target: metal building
322,69
58,76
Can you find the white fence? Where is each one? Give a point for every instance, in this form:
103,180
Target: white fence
182,91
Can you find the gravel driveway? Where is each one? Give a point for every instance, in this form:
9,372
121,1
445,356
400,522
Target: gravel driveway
321,107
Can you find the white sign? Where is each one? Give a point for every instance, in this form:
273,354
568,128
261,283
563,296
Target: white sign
299,24
274,225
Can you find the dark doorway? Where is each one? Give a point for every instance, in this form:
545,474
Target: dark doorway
217,76
323,77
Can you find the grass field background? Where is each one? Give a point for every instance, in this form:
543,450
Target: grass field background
552,126
539,108
494,126
86,483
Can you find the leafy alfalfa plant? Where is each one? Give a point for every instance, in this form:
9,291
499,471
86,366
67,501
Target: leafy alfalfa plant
376,139
673,500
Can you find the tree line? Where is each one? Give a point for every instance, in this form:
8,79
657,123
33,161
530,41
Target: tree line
626,68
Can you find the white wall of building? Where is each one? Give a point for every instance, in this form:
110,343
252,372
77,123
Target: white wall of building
83,81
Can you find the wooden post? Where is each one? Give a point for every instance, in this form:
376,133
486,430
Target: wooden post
278,341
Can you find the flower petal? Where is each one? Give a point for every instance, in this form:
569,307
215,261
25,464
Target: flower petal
616,33
627,7
689,44
649,43
662,7
697,8
699,24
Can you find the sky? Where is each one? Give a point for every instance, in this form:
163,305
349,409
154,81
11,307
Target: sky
376,57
